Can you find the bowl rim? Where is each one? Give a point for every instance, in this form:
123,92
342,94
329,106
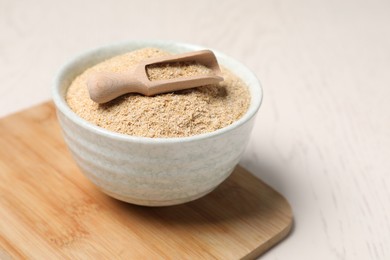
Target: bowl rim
62,106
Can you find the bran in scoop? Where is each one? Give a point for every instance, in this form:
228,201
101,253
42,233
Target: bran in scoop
175,70
178,114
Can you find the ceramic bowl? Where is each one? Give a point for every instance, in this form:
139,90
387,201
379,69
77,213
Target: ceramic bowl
153,171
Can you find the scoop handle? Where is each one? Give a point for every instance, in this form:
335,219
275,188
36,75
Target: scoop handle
106,86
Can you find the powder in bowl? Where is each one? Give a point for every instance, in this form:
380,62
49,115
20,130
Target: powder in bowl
177,114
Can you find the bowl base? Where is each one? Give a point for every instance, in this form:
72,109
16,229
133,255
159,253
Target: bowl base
156,203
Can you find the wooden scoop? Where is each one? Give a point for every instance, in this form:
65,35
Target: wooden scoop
106,86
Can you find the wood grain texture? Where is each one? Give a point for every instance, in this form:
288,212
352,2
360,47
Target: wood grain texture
322,136
50,210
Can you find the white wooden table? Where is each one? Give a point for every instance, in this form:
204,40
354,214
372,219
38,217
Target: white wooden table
322,136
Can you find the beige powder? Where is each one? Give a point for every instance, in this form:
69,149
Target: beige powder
174,70
178,114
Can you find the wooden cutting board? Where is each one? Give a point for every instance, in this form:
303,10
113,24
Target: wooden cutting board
48,209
